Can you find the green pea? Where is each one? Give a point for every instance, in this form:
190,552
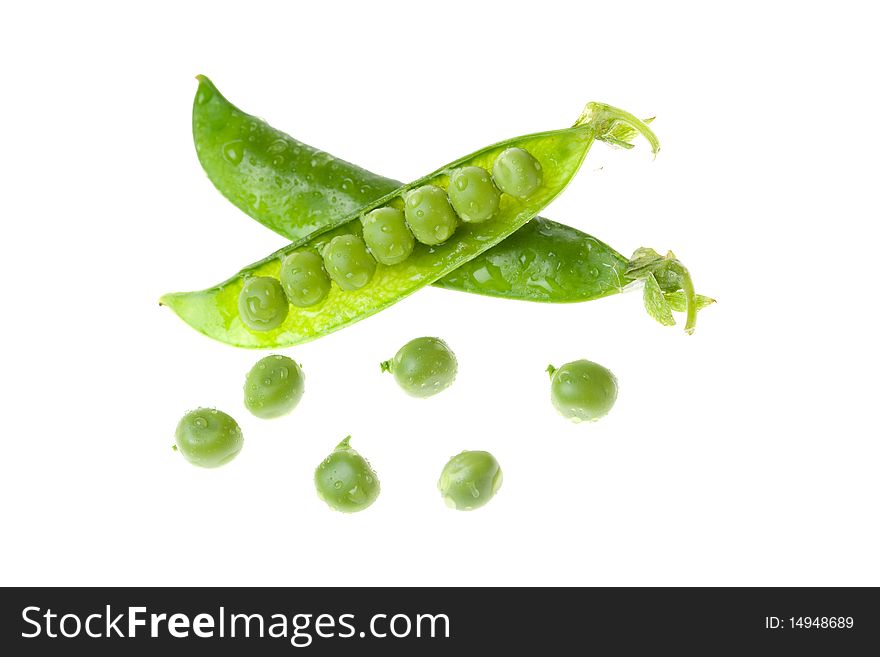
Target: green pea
470,480
517,173
303,278
582,390
208,437
348,262
387,235
429,215
473,194
262,304
423,367
273,387
345,480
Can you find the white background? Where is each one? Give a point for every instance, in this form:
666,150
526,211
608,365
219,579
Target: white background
745,454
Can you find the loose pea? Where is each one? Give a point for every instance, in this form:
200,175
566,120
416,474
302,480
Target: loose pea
208,437
423,367
473,194
273,387
517,173
429,215
348,262
582,390
345,480
387,235
470,480
262,304
303,278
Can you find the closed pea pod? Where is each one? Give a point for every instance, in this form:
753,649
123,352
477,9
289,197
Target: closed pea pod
560,151
473,194
387,235
284,184
347,261
304,279
262,304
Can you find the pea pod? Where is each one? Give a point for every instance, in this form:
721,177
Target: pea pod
558,153
295,189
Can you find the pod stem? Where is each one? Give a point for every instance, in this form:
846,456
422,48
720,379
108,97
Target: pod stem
550,370
385,365
690,295
647,265
343,445
606,121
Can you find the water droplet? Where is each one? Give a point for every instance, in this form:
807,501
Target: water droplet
233,151
277,146
461,183
201,423
593,271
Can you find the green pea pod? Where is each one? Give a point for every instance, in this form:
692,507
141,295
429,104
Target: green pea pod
295,189
286,185
544,261
215,311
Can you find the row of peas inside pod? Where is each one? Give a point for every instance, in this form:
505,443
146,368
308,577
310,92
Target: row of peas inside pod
429,215
581,391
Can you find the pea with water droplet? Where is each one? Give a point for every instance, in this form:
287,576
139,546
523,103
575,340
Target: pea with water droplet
517,172
345,480
470,480
429,215
582,390
387,235
273,387
262,304
423,367
208,438
473,194
348,262
304,278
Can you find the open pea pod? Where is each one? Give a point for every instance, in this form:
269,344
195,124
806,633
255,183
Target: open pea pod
559,153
